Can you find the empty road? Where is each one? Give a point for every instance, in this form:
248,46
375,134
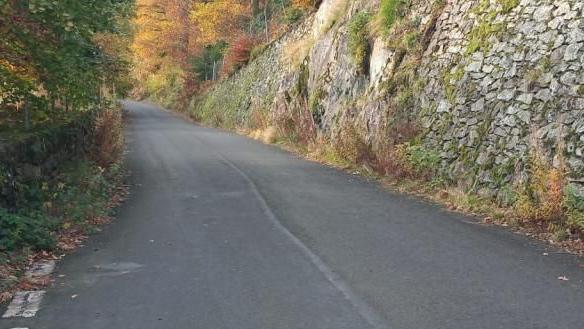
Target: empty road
223,232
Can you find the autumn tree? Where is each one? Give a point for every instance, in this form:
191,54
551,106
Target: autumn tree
179,41
162,45
48,50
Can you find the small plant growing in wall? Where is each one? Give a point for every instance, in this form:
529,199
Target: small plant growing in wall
508,5
422,160
574,203
480,34
547,198
358,42
389,12
314,104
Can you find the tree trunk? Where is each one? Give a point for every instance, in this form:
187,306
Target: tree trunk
26,110
266,22
214,70
255,8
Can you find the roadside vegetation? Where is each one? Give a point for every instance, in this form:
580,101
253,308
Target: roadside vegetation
63,65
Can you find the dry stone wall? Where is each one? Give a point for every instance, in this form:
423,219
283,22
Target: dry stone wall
491,82
504,82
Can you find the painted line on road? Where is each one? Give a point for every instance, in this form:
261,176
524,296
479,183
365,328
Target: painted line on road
26,304
370,315
41,268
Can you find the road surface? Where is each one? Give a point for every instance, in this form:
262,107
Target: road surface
222,232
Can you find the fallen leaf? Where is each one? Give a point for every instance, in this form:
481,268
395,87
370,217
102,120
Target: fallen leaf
563,278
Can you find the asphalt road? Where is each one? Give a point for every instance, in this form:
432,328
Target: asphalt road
222,232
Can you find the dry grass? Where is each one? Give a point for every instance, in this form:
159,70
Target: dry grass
349,144
108,137
541,198
267,135
295,122
294,53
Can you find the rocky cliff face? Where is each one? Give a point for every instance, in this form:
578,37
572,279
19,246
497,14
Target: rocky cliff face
483,84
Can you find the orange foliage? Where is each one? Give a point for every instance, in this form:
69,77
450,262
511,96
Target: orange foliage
238,54
305,4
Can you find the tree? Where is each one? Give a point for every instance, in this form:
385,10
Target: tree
218,20
48,51
208,64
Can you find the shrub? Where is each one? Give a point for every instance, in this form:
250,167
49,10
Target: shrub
33,229
423,161
84,194
358,43
259,118
349,144
295,122
238,54
408,160
541,198
391,149
390,11
410,39
391,161
292,15
108,136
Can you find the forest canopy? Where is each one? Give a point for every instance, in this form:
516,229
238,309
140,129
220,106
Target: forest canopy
182,47
61,51
70,54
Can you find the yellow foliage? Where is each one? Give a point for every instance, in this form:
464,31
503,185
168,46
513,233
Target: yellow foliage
217,20
304,4
151,38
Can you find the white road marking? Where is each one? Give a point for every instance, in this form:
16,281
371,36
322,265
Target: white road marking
368,313
24,304
40,269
